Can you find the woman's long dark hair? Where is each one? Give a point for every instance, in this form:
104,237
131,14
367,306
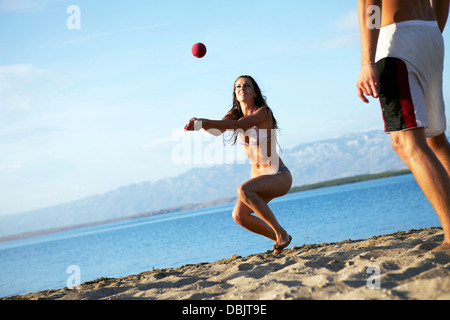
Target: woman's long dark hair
236,113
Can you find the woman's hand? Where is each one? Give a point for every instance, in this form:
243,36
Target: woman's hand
193,125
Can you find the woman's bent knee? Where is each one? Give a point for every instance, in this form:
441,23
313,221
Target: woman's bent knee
237,217
243,191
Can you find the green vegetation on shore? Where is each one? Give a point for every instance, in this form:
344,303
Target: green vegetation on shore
341,181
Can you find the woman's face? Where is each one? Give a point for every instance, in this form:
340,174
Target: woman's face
244,90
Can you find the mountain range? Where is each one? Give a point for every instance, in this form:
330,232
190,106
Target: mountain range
348,155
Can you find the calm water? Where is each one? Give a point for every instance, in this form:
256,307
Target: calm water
354,211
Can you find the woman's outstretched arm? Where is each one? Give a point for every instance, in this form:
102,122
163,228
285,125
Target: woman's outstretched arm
229,124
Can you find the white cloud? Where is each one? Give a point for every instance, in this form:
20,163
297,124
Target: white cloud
47,195
348,21
341,41
76,188
16,5
347,28
29,97
174,137
9,6
115,32
11,166
24,86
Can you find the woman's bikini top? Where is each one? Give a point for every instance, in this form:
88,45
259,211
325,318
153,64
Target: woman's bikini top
255,136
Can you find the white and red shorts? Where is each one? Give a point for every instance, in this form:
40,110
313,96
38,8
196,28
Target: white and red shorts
410,62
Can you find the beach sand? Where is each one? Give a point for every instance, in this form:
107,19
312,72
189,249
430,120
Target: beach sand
407,267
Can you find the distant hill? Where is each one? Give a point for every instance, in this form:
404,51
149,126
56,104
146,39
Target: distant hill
346,156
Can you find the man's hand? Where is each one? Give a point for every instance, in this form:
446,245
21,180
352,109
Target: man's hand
367,82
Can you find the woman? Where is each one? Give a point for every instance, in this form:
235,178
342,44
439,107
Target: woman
253,126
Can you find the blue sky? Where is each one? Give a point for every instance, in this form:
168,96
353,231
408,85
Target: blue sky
85,111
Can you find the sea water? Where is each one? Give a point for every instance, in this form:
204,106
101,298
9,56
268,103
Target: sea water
353,211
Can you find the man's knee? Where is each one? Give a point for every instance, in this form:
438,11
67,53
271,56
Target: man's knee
407,143
400,146
397,144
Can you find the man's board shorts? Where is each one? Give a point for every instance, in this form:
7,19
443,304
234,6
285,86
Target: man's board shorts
410,62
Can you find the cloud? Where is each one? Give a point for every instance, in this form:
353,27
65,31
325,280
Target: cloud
32,134
76,188
342,41
11,166
115,32
174,137
12,6
348,21
27,92
50,195
347,28
22,83
16,5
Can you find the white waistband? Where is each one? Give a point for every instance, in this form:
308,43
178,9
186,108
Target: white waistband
412,23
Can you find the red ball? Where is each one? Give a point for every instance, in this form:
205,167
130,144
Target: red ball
199,50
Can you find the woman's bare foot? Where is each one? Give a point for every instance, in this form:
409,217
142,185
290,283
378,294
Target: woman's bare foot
278,248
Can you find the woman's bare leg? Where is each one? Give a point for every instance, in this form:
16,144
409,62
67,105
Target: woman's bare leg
255,194
242,215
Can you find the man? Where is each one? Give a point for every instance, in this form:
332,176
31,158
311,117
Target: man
402,65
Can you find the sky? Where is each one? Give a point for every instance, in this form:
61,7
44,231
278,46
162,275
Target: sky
87,108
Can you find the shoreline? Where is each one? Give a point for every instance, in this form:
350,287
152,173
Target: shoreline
399,266
211,204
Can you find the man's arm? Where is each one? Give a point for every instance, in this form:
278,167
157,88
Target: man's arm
366,84
369,37
441,8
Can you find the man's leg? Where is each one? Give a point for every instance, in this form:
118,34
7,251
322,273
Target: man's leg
430,174
441,148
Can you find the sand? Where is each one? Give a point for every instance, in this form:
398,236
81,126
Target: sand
399,266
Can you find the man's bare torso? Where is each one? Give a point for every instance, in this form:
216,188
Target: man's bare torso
394,11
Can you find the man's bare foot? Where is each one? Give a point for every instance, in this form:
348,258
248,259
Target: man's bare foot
444,246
